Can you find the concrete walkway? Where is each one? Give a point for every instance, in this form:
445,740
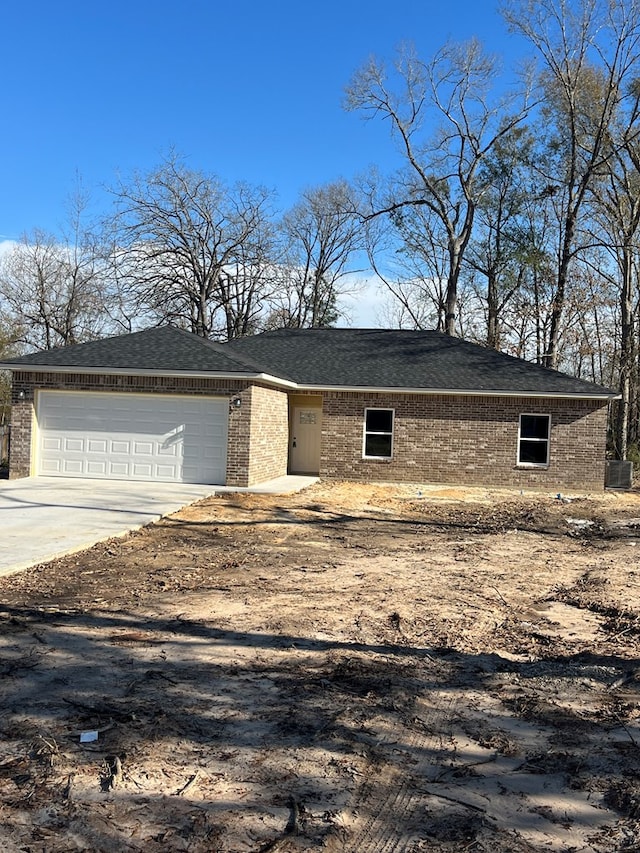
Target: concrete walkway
42,518
280,486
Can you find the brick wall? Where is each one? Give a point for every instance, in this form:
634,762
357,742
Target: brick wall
258,437
465,440
21,428
437,438
269,441
238,439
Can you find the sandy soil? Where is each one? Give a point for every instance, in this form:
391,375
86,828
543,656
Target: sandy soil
353,668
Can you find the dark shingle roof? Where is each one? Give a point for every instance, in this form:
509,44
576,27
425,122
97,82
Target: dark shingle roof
382,358
161,349
347,358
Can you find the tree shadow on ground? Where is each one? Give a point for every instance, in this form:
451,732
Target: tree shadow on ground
226,736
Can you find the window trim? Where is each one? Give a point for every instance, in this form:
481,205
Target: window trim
538,465
366,432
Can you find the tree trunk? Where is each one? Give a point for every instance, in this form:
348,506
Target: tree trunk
626,356
550,357
493,337
456,251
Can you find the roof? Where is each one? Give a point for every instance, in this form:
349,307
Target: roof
388,359
161,350
320,358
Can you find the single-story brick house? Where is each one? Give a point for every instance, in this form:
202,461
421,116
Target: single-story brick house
357,404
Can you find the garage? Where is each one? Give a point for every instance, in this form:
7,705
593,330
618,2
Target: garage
155,437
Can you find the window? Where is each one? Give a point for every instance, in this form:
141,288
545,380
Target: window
378,433
533,440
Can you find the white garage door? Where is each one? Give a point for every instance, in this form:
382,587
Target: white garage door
132,437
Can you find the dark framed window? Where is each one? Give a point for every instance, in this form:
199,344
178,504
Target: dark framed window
378,434
534,439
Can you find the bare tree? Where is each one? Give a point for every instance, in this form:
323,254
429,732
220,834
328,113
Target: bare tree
616,207
496,250
9,337
589,52
452,92
406,253
321,233
190,250
55,289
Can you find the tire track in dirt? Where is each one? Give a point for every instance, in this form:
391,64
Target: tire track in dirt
392,799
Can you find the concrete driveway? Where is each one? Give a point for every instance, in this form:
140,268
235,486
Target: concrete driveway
46,517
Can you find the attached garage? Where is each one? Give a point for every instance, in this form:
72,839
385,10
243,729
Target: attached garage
154,437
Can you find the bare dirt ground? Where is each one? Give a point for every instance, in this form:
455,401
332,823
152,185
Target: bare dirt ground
353,668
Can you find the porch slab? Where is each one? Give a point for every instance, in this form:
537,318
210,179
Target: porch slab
280,486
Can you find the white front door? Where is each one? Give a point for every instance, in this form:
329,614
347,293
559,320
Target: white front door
306,435
168,438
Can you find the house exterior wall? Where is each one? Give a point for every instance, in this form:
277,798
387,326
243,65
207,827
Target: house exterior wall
23,411
21,429
269,434
465,440
437,438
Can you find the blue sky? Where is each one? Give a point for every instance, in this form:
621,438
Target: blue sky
244,90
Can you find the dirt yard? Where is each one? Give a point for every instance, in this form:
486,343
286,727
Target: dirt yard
364,669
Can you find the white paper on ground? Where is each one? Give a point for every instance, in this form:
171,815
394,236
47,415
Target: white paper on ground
88,737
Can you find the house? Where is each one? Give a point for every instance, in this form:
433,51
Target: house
356,404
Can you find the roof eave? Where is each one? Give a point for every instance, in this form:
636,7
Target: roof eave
130,371
300,386
459,392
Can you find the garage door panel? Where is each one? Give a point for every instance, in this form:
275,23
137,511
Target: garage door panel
142,448
96,468
121,447
71,467
165,472
208,453
131,436
143,470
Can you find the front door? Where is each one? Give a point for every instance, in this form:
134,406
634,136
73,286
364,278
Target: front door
306,434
